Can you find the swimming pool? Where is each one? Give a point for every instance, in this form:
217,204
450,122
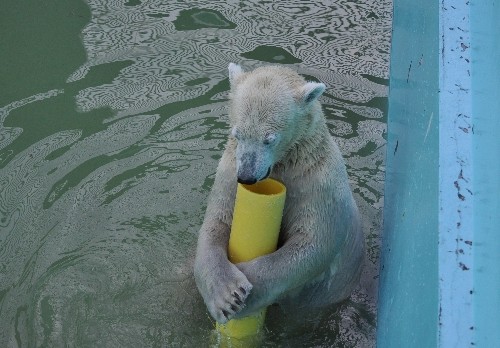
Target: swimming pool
113,116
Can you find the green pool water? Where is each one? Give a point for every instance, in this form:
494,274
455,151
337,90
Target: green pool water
113,115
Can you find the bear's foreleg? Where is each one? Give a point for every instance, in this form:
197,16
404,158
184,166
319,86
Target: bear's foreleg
222,285
301,259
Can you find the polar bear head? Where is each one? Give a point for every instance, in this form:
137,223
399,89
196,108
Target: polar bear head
271,110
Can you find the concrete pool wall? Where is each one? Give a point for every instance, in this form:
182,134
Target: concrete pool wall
440,264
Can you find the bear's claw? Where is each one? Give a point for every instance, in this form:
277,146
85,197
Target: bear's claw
230,300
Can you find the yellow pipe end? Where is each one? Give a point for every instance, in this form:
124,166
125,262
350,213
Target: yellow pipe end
257,214
244,327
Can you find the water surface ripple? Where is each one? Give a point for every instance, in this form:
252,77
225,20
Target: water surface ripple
105,173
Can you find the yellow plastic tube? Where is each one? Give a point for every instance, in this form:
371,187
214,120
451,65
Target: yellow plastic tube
258,210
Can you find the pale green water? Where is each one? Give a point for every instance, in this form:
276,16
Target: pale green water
112,119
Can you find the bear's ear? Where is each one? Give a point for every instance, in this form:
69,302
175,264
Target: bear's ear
234,71
311,91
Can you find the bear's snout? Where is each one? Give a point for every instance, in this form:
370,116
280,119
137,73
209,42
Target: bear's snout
247,169
249,172
250,180
247,181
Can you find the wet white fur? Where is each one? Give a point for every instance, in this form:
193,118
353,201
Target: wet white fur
321,243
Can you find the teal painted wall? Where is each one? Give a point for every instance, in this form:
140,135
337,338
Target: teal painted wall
440,263
409,278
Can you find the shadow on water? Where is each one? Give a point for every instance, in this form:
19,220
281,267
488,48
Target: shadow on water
113,116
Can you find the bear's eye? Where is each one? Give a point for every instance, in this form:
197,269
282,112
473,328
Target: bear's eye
270,138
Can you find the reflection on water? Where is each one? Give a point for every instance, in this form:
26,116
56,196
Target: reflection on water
106,160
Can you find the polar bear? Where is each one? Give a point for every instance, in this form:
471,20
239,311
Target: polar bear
279,131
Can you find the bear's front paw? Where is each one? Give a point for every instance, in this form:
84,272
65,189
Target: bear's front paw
228,295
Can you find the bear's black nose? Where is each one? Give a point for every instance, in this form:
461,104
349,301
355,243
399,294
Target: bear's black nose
247,181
